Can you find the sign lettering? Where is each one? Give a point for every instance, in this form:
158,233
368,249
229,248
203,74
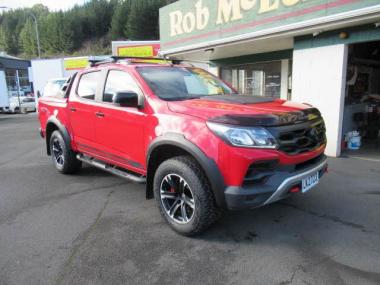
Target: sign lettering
268,5
186,23
227,11
75,63
139,51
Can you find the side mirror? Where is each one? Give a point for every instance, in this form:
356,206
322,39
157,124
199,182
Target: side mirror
127,99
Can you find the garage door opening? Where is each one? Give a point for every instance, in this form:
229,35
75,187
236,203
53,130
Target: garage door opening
361,119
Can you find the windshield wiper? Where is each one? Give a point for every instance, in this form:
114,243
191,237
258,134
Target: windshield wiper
182,98
196,96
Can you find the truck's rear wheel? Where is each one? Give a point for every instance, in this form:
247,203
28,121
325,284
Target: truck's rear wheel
184,196
63,157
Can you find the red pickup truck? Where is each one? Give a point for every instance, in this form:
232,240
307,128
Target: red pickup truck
198,145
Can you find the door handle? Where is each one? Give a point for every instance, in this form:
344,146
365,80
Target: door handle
72,109
99,114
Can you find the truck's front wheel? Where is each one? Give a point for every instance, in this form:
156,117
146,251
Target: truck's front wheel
184,196
63,157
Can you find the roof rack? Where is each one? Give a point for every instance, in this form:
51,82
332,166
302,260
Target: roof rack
174,61
96,62
114,59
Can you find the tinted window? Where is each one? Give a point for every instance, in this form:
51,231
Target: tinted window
118,81
179,83
88,84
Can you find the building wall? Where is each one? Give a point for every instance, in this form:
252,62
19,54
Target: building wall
46,69
319,78
4,100
8,63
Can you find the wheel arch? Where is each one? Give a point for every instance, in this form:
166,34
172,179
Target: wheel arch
171,145
52,125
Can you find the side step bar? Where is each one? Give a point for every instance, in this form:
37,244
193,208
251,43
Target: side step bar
111,169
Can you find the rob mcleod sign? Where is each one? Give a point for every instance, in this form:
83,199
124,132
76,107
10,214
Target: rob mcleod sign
187,23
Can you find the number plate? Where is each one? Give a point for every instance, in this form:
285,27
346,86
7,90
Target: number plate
310,182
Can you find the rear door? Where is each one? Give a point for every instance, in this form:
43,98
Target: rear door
81,110
120,130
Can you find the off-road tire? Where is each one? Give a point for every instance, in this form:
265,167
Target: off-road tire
70,163
205,211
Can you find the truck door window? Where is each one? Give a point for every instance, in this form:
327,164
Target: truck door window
87,85
117,81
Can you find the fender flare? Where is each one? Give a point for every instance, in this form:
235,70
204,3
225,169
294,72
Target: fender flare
208,165
65,134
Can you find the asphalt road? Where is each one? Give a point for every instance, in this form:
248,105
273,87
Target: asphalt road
95,228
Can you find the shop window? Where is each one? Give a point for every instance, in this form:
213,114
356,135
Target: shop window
11,79
259,79
25,85
17,82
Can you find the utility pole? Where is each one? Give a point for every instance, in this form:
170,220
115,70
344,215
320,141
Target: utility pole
37,34
18,91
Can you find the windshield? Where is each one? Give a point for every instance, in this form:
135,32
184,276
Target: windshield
182,83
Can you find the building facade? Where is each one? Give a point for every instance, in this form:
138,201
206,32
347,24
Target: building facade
322,52
14,78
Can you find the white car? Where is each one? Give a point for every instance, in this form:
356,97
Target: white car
28,104
54,86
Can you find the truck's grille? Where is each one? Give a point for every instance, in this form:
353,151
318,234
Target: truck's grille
300,138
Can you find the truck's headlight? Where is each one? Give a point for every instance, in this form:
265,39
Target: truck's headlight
256,137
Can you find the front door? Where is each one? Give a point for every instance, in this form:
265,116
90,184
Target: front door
82,110
120,130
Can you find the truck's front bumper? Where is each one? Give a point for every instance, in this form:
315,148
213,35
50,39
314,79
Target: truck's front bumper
277,187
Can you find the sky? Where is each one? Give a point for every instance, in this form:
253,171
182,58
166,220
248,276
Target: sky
53,5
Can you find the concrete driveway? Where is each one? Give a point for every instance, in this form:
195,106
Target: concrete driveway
94,228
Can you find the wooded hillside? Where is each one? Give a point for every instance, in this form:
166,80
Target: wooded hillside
82,30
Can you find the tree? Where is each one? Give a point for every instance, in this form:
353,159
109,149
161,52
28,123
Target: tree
15,24
143,19
3,39
28,43
57,37
9,32
81,29
120,19
97,17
